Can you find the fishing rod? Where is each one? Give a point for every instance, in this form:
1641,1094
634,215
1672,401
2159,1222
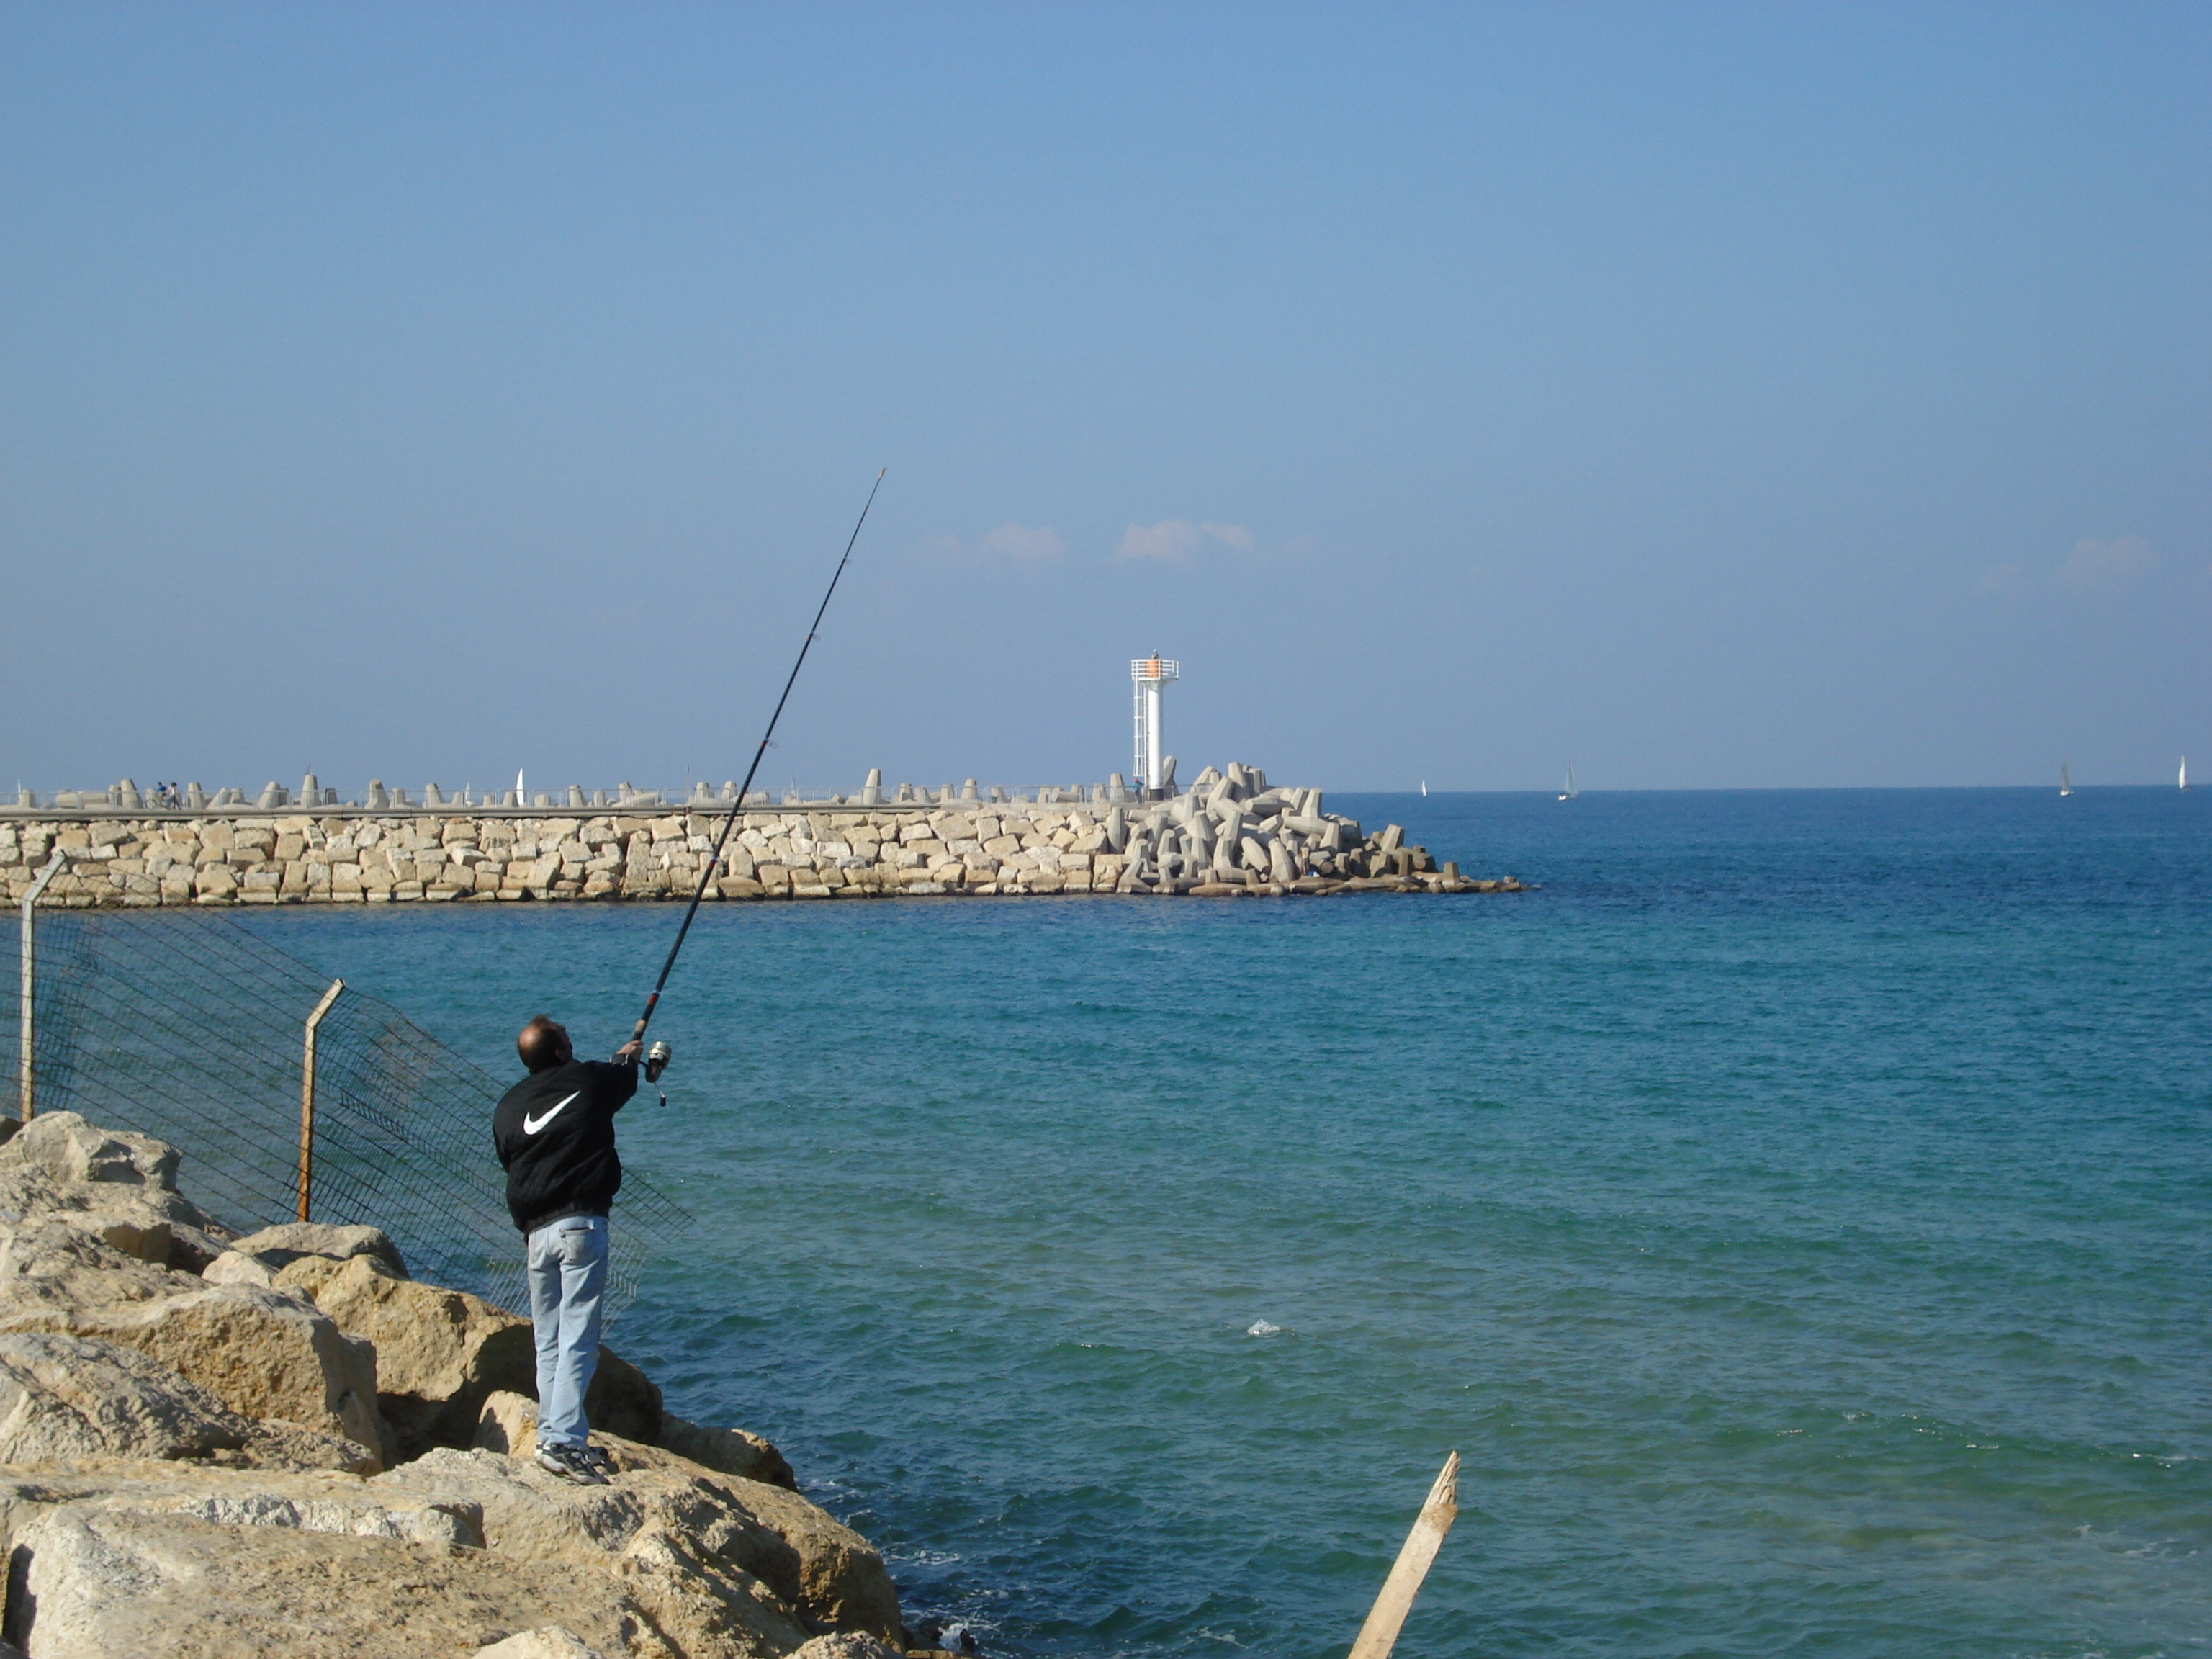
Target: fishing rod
659,1059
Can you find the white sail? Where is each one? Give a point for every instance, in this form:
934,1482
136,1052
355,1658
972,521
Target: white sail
1570,792
2184,771
2065,783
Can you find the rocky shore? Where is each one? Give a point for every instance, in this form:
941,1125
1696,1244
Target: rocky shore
283,1444
1228,836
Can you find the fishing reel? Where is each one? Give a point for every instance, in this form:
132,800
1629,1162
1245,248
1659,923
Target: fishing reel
656,1062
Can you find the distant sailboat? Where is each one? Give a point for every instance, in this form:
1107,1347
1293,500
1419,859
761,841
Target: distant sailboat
1570,792
2065,783
2184,771
1424,783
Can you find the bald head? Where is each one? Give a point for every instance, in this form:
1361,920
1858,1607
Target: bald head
543,1044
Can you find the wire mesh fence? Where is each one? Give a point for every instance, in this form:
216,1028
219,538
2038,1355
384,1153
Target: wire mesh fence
185,1025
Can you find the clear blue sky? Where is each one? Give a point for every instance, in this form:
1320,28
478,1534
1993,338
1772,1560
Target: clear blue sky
1708,395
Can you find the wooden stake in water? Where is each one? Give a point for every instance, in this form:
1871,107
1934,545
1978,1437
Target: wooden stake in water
1379,1633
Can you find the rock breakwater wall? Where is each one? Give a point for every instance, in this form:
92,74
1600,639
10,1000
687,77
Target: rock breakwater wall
282,1445
1229,834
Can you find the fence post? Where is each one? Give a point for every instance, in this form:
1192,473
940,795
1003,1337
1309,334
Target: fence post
26,1100
308,1099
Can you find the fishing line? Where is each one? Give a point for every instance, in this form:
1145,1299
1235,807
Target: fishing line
714,860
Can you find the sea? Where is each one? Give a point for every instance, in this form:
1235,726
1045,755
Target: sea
1793,1209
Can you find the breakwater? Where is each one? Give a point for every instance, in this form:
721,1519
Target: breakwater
284,1443
1229,834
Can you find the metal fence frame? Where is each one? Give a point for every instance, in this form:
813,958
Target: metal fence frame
184,1024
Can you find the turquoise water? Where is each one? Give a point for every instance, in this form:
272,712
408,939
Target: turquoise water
1795,1212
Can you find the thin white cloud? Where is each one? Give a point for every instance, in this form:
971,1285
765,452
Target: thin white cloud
1023,541
1171,538
1177,538
2095,564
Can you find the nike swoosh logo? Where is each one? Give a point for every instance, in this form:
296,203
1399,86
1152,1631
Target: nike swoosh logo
530,1126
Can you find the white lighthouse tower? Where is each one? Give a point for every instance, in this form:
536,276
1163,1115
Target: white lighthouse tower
1151,675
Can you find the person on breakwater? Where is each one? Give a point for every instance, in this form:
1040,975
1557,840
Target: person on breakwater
555,1134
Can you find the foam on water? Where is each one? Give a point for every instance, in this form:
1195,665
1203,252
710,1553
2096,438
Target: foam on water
1794,1214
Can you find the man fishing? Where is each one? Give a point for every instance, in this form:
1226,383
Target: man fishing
555,1134
554,1131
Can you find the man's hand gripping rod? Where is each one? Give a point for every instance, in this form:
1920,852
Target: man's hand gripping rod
714,859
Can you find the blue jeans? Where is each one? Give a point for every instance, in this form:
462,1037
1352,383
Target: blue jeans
567,1278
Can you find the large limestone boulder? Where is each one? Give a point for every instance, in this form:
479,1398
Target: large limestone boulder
280,1246
323,1501
554,1642
697,1603
153,1223
273,1445
841,1576
534,1516
145,1236
63,1397
96,1585
508,1423
441,1354
262,1352
49,1266
116,1198
686,1552
731,1451
65,1147
811,1566
847,1644
163,1228
231,1268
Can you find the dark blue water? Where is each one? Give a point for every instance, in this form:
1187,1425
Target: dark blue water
1795,1212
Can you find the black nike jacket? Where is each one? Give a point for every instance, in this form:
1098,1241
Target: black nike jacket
555,1131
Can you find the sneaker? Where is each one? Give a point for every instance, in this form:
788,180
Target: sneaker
597,1457
569,1462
